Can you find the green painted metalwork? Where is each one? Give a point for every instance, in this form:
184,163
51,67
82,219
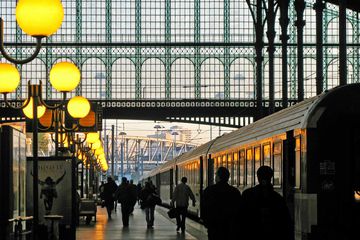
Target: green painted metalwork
198,37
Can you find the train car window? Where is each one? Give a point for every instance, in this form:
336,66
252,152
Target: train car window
236,169
242,168
257,158
297,161
267,155
249,167
218,162
231,168
224,164
277,164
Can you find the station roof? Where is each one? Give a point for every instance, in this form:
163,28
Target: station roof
351,4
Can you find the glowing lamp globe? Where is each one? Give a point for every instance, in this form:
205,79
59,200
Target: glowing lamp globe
78,107
9,78
39,17
92,137
96,144
101,156
28,110
105,168
99,151
64,76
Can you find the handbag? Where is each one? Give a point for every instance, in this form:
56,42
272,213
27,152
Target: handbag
172,213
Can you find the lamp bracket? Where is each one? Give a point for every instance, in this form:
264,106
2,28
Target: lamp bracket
13,60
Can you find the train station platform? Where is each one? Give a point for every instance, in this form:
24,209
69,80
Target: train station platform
164,227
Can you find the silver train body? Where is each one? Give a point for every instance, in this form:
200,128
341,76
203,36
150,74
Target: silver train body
314,149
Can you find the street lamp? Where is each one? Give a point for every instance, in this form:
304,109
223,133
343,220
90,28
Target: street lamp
34,106
37,18
174,133
157,127
122,134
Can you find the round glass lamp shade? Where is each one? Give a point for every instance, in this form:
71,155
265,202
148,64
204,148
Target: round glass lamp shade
91,137
99,151
9,78
78,107
28,110
39,17
96,144
64,76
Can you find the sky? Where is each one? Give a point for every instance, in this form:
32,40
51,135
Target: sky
199,133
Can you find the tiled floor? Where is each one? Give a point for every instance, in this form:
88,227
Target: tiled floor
164,228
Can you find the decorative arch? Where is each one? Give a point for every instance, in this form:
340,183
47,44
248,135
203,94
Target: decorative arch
182,79
153,79
277,80
123,79
242,79
332,31
212,79
93,83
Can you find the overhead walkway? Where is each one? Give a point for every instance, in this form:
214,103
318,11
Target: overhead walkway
164,228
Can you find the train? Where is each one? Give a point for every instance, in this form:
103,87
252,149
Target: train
314,150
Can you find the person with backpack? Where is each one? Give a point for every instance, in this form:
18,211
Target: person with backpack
181,196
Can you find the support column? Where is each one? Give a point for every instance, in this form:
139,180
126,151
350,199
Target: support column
342,43
112,150
300,23
319,8
284,23
271,49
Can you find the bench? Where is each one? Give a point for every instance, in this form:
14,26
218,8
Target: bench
87,209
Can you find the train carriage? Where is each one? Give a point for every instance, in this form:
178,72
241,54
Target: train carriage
313,149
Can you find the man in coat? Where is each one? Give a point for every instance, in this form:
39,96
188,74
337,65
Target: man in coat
181,196
221,208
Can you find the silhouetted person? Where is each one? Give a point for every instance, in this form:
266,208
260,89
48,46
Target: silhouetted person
148,203
221,208
266,212
138,190
48,191
123,195
181,196
108,192
133,195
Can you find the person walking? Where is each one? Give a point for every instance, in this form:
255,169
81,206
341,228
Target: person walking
133,195
109,189
147,198
123,196
221,208
181,196
268,209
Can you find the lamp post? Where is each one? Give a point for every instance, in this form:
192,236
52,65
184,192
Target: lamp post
122,134
64,77
35,20
157,127
174,133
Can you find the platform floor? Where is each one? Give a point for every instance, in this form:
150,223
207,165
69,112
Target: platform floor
164,228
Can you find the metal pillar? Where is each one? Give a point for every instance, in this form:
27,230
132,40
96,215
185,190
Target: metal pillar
284,23
271,49
342,42
300,23
112,150
319,7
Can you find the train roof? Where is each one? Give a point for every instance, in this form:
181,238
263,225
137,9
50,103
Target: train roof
300,116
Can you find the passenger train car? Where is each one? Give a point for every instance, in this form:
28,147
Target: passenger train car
314,149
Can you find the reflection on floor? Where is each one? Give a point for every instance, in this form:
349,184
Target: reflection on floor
164,228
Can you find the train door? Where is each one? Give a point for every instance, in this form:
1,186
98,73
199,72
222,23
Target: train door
171,182
211,172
